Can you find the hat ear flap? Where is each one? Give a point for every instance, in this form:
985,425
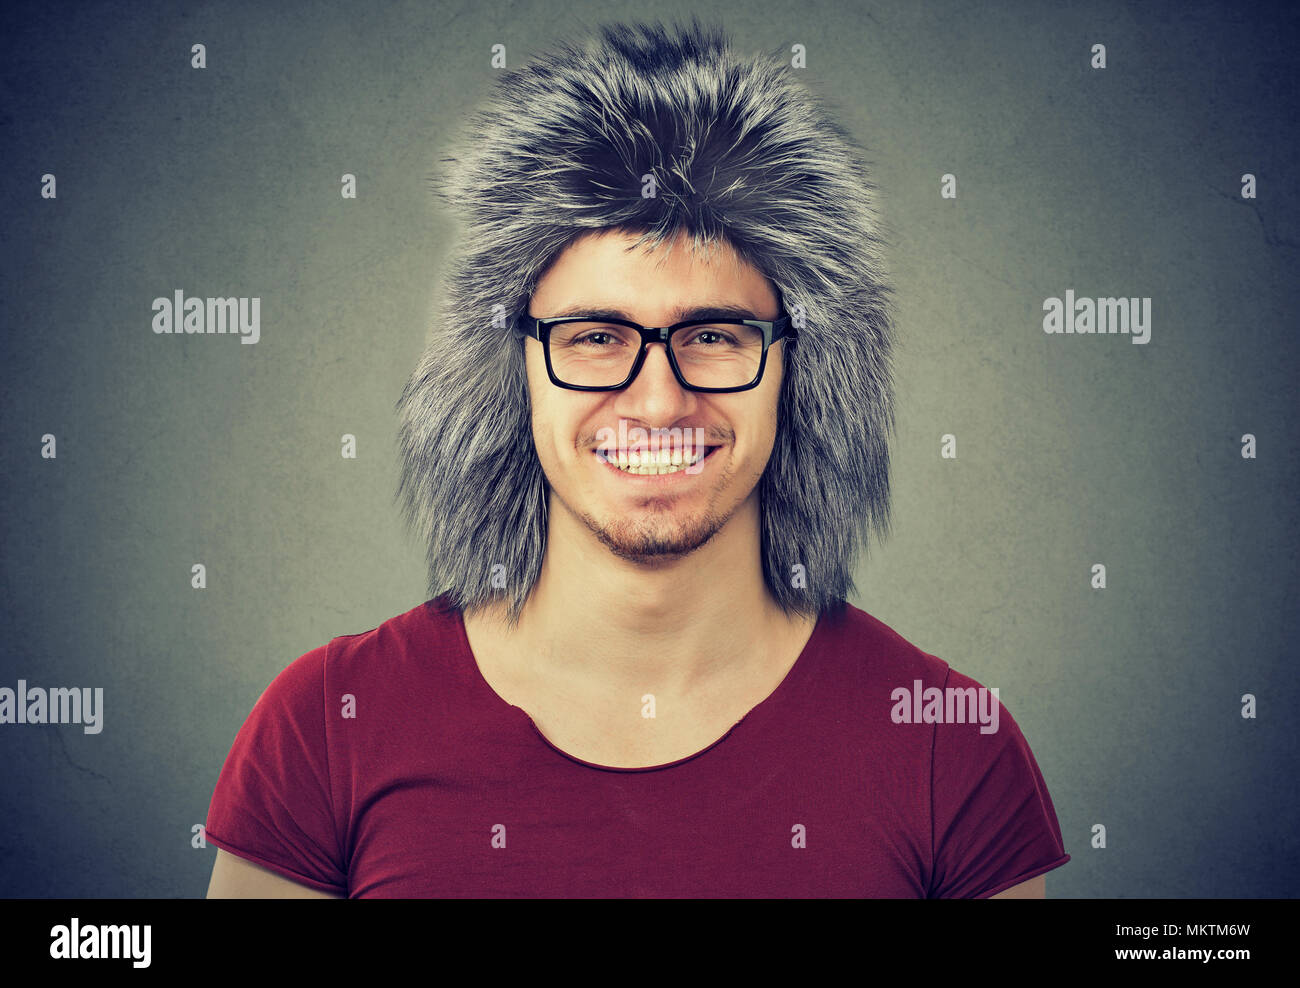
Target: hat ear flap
826,486
471,485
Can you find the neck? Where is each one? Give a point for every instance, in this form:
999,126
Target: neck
680,626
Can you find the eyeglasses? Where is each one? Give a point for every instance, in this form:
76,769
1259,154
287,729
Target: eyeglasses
586,353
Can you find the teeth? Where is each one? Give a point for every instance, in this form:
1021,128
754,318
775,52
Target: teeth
646,463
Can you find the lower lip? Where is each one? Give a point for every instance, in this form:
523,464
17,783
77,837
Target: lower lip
659,478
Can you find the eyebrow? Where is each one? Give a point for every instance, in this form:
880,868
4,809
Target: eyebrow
684,314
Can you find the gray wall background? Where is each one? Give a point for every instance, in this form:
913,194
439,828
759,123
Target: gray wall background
1073,450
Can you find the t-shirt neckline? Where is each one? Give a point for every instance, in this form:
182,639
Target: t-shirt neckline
794,677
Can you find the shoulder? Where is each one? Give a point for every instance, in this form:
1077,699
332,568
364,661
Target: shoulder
428,630
853,682
863,647
921,706
989,820
406,639
433,623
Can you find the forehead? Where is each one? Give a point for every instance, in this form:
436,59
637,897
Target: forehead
609,269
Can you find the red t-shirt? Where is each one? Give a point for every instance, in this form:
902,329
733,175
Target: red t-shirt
426,783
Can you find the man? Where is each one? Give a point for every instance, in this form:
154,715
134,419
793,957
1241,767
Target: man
638,675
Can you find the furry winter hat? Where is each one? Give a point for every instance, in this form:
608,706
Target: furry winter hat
739,151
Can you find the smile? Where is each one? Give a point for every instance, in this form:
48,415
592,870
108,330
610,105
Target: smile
653,463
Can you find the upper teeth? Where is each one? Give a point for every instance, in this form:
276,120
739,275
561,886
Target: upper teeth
647,461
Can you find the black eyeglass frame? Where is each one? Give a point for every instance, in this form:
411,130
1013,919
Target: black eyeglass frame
780,328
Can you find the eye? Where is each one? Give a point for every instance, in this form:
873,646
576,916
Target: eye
597,338
707,337
713,336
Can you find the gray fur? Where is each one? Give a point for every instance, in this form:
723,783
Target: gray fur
559,150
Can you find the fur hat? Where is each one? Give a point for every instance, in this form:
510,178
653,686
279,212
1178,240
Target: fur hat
739,150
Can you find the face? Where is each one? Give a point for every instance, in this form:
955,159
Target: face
643,517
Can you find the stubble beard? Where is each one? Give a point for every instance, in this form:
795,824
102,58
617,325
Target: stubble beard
661,529
657,536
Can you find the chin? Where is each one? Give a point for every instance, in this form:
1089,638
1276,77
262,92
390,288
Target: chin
655,540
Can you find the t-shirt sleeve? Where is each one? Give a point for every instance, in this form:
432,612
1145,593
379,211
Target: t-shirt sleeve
272,804
993,823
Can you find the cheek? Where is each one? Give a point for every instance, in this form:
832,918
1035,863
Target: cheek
557,416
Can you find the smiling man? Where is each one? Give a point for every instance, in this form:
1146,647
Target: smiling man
643,447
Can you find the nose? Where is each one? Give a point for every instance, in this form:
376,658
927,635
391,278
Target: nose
655,395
